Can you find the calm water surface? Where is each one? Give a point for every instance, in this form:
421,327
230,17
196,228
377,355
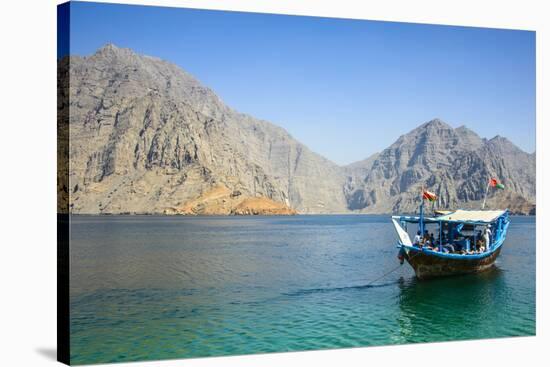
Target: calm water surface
145,288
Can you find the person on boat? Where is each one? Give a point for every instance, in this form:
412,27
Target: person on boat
444,237
425,239
426,236
479,242
417,239
487,237
430,242
448,248
455,232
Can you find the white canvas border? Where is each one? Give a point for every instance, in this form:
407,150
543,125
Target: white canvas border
28,147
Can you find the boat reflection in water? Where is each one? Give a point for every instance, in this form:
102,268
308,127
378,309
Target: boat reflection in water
453,308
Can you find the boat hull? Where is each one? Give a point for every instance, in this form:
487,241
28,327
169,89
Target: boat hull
428,265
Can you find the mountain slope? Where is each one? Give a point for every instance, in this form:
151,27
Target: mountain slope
454,163
146,136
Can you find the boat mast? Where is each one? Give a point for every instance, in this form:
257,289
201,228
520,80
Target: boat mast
421,221
440,236
485,197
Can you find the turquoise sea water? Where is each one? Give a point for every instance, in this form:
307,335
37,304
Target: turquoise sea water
147,288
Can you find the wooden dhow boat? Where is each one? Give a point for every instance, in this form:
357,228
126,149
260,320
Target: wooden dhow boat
451,242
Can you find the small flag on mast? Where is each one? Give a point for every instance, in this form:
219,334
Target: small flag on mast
430,196
493,182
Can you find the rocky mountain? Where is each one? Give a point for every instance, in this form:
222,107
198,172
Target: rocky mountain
147,137
454,163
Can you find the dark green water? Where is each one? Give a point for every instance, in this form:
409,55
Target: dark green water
146,288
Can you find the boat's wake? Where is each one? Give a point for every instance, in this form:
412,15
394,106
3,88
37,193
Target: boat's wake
303,292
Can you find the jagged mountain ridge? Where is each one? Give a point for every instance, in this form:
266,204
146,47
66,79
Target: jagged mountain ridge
147,137
454,163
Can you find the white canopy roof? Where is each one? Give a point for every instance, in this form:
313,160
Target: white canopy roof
486,216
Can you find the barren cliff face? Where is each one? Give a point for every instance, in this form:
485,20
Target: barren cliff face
146,137
454,163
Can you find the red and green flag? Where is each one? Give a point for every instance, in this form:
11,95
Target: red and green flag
493,182
430,196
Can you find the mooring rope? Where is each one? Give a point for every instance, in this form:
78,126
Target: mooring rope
389,272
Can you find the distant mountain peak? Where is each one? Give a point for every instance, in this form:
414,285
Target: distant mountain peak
469,137
454,163
111,50
109,46
504,145
431,127
499,138
464,128
503,141
436,123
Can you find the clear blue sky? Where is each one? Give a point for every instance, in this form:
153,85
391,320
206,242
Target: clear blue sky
345,88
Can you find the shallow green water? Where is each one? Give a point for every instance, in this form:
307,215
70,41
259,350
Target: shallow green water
146,288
